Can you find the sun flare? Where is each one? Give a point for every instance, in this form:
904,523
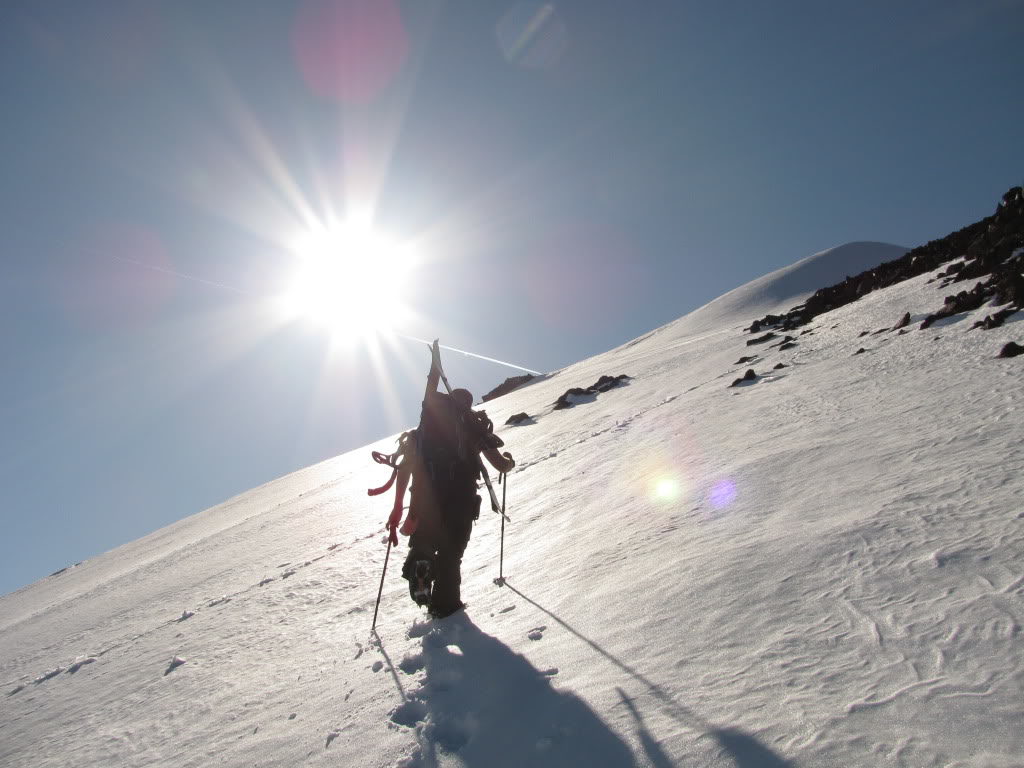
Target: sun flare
351,279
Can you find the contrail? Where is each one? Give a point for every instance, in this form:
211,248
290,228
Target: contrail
470,354
240,292
183,276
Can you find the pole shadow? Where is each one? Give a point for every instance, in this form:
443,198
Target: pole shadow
481,705
743,749
655,754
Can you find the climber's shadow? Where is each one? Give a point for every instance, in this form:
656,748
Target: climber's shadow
491,707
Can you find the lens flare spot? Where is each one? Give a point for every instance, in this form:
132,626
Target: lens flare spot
723,493
666,489
532,35
349,50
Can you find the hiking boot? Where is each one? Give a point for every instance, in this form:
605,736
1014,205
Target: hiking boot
421,582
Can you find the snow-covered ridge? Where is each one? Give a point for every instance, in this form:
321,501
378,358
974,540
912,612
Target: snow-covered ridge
793,283
821,568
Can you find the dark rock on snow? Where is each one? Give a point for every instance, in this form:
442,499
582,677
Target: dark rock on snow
748,376
761,339
513,382
995,320
565,401
603,384
518,418
1011,349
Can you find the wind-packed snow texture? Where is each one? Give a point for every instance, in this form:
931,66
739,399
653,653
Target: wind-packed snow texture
819,568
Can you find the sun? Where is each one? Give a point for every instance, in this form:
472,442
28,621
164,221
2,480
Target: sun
351,279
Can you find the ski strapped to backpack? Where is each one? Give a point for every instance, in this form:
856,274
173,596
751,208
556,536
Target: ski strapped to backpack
495,507
410,445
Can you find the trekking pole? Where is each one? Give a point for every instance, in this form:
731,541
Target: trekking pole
380,590
500,581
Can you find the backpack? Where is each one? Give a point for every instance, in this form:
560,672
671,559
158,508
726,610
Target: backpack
448,441
445,446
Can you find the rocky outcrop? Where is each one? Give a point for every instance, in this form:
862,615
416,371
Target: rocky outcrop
513,382
965,301
993,246
578,395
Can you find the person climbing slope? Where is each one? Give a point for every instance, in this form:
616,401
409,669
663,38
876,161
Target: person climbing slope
441,458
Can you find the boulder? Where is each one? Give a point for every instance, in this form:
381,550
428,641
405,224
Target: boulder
577,394
1011,349
746,378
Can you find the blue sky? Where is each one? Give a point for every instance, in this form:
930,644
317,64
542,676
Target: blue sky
572,174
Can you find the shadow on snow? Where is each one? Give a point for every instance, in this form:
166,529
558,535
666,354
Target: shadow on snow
489,706
743,749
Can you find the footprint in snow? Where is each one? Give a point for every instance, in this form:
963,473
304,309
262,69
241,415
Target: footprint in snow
412,663
536,633
331,737
409,713
506,609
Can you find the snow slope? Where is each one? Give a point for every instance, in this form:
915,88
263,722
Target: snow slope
818,568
